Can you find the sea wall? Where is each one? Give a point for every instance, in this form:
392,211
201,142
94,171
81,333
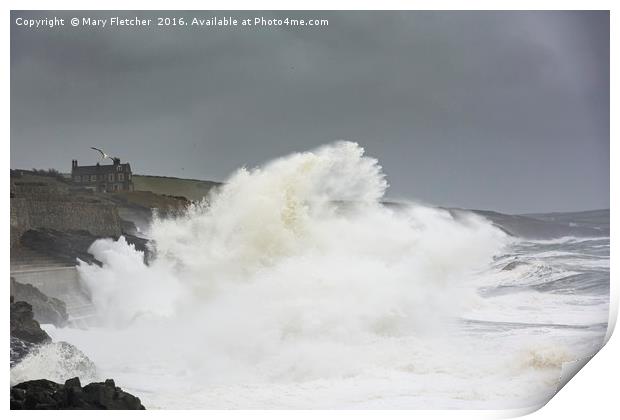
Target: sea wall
20,220
63,212
100,219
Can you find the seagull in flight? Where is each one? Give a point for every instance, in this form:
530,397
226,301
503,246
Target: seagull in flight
103,154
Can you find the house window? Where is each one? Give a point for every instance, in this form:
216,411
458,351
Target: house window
129,177
121,177
93,178
119,168
111,177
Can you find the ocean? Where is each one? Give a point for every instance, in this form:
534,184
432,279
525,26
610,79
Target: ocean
296,287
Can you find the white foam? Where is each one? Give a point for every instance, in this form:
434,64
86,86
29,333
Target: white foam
54,361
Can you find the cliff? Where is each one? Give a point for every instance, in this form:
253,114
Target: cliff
191,189
39,202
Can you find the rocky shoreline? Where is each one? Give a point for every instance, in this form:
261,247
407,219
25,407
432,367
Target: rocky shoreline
43,394
23,325
54,222
45,309
28,338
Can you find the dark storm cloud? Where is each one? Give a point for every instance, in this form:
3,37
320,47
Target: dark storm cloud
500,110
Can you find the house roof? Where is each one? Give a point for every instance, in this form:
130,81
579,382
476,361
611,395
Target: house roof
99,169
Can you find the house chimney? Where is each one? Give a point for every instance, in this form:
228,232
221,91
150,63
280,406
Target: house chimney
74,164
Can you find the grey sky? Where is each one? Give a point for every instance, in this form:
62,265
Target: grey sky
497,110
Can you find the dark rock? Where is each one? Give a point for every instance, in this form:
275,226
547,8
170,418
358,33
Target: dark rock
26,333
43,394
128,227
71,245
47,310
23,325
18,397
66,246
19,350
37,394
73,383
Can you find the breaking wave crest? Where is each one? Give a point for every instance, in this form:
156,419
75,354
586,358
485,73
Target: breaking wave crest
289,270
301,247
56,362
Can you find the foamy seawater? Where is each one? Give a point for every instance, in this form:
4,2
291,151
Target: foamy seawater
294,287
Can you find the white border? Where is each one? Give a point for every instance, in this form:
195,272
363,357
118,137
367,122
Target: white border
592,393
